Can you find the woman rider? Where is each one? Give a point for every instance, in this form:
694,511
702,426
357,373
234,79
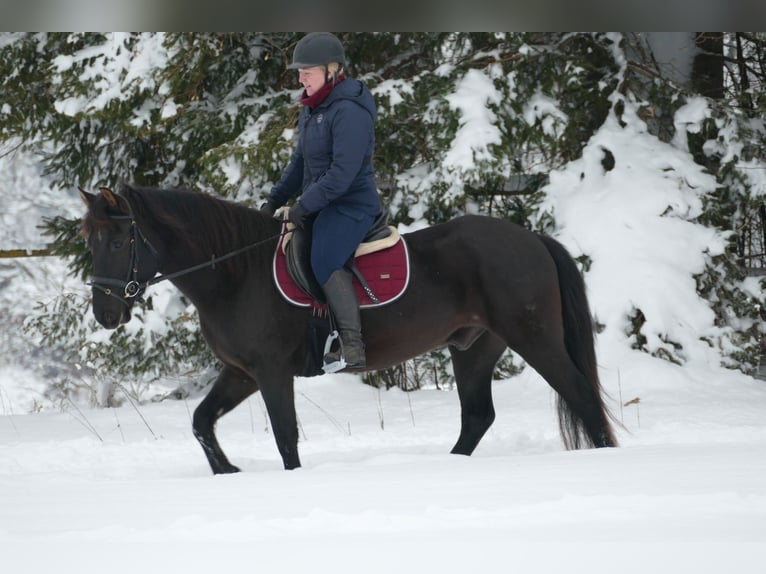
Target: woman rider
332,167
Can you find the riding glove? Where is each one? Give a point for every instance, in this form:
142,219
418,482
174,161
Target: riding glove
297,214
269,207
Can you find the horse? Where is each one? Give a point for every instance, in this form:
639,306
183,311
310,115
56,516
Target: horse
478,285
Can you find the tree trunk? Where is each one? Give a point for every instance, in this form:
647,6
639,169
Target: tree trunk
707,71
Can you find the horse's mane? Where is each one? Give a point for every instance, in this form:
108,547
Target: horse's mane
206,225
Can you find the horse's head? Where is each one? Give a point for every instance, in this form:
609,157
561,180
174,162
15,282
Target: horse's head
123,259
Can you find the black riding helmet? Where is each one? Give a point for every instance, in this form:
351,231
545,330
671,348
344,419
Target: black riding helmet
317,49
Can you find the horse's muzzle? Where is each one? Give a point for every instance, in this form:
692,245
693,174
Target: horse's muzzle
113,319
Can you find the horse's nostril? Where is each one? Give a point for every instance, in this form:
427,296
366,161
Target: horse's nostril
110,320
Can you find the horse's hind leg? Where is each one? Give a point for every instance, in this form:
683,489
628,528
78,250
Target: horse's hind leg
473,367
582,417
230,389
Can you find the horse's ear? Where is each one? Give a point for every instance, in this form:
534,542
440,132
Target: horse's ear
109,196
114,200
87,198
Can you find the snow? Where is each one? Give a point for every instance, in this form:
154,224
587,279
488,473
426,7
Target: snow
378,491
128,488
478,130
120,66
644,206
544,109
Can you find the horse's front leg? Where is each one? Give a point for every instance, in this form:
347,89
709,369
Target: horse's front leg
277,390
230,389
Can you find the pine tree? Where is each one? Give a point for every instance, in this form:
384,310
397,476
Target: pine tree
216,112
730,143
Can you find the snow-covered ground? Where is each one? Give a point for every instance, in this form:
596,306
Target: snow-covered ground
126,490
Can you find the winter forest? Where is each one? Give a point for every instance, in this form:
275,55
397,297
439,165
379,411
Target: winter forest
643,153
522,126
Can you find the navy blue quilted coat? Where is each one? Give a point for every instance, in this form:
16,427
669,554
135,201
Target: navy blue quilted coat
332,161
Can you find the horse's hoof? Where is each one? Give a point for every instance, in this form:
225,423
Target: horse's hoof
226,469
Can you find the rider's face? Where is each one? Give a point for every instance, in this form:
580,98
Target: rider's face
312,79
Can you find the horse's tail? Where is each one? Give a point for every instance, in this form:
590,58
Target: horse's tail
579,342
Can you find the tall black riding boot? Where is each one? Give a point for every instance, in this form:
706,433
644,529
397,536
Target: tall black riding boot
341,297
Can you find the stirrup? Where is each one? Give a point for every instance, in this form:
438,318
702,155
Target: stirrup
335,366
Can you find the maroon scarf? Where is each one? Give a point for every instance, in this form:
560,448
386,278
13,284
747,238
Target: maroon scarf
319,96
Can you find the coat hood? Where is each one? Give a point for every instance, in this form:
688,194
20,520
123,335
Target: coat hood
355,91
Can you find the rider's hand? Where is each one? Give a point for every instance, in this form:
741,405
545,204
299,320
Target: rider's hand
297,214
269,207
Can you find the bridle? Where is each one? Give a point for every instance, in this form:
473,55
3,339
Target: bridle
132,287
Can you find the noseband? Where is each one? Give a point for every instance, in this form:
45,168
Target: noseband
131,287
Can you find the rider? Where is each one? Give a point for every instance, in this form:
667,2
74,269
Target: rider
332,166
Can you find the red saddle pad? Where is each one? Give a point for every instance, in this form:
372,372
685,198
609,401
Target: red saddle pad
387,273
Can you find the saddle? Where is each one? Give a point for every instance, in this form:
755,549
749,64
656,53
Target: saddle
380,266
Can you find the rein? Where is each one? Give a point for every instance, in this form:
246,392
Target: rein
213,260
134,289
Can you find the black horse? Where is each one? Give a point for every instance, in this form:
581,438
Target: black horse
478,285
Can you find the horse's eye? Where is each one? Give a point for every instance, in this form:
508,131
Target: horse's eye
118,243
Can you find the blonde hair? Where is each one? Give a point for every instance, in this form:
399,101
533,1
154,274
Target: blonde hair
334,69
